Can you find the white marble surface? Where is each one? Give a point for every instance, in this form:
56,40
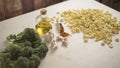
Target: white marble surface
78,54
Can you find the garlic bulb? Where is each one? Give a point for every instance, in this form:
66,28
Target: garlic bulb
49,37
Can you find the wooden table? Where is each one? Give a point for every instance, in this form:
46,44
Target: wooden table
78,54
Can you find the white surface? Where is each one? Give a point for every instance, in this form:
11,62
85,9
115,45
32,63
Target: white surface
77,54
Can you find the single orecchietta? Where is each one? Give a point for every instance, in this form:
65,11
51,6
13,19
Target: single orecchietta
103,44
117,40
110,45
94,23
85,39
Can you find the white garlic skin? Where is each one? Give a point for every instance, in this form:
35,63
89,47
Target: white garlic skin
58,27
59,38
52,43
49,37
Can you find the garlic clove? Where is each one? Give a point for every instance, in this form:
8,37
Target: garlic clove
49,37
52,43
53,46
64,43
59,38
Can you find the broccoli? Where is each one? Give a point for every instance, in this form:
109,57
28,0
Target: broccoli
4,60
22,62
25,43
29,34
11,38
41,51
34,61
14,50
16,38
37,37
36,43
27,52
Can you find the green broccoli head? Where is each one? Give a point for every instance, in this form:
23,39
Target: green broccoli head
27,51
22,62
14,51
34,61
41,51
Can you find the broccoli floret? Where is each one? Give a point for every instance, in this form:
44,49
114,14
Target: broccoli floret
25,43
34,61
14,50
27,52
11,38
5,60
41,51
22,62
16,38
29,34
37,37
36,43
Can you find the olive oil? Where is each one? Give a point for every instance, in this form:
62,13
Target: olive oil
43,27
